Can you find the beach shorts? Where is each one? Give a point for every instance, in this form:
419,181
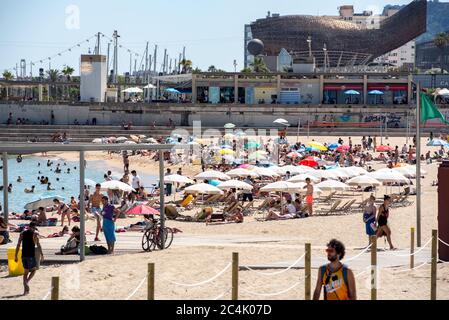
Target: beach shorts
29,263
109,230
309,200
96,211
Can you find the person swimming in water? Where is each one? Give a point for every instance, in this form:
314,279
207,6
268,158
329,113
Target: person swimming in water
30,190
19,179
49,188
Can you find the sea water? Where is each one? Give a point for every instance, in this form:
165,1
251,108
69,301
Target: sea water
29,170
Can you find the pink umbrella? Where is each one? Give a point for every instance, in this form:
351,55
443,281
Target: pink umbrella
294,154
141,210
245,166
383,148
343,148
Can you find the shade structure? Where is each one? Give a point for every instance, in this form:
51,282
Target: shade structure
242,173
229,126
281,121
383,148
211,174
437,143
280,186
333,185
44,202
235,184
376,92
141,210
352,92
116,185
133,90
150,86
364,181
318,145
303,177
176,178
389,176
172,90
265,172
203,188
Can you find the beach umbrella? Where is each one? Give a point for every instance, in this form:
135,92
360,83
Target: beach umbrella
289,168
389,176
342,148
228,136
309,162
89,182
325,174
242,173
358,170
281,121
303,177
333,185
150,86
116,185
151,140
133,90
240,133
437,143
130,142
172,90
208,175
334,146
318,145
258,155
235,184
121,139
176,178
312,149
364,181
134,138
203,188
340,173
409,171
349,171
43,201
229,126
280,186
140,210
265,172
376,92
226,151
246,166
252,145
383,148
214,183
352,92
294,154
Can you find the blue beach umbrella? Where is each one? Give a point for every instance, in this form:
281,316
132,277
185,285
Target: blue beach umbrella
376,92
312,149
172,90
438,143
334,146
214,183
352,92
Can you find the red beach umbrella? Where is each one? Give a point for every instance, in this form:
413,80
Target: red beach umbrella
343,148
309,162
141,210
383,148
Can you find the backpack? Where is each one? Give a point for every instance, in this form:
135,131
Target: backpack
345,276
100,250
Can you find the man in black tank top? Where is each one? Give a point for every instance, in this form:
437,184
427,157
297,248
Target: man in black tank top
29,240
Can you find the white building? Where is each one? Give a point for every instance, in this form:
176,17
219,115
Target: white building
93,78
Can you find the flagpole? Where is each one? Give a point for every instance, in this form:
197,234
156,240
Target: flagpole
418,165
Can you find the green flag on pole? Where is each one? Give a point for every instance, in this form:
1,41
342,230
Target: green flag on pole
429,110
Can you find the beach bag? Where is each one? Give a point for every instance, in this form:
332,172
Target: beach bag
99,250
52,222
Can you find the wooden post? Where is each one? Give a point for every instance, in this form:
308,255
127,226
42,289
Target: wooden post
307,270
373,268
433,277
150,292
235,276
55,288
412,248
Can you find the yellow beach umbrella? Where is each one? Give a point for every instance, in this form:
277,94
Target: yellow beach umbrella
226,151
318,145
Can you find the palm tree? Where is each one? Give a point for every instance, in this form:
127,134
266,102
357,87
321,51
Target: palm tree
259,65
196,70
53,74
246,70
68,71
7,75
186,65
212,69
441,41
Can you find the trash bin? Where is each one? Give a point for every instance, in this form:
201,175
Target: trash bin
15,268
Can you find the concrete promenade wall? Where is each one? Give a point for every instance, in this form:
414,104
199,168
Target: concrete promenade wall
185,114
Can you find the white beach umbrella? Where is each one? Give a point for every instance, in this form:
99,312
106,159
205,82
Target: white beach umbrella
235,184
333,185
42,202
121,139
292,169
350,171
325,174
130,142
203,188
242,173
303,177
176,178
364,181
265,172
229,126
409,171
213,175
359,170
116,185
340,173
97,141
281,121
149,86
280,186
133,90
389,176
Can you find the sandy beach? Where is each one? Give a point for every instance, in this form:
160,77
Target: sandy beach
116,277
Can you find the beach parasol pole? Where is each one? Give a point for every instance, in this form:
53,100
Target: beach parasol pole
5,187
82,208
418,165
162,195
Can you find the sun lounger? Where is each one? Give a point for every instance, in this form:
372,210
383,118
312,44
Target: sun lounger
347,207
328,198
332,209
213,199
246,209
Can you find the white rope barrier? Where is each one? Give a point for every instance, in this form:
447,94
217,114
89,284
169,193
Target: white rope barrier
223,294
414,253
137,288
443,262
203,282
48,293
355,257
270,294
446,244
276,272
361,273
415,268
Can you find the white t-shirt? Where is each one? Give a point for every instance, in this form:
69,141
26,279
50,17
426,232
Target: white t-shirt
291,208
136,182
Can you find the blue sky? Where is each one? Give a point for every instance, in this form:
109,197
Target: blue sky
212,30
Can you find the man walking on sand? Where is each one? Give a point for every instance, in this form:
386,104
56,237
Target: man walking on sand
309,196
29,240
336,278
